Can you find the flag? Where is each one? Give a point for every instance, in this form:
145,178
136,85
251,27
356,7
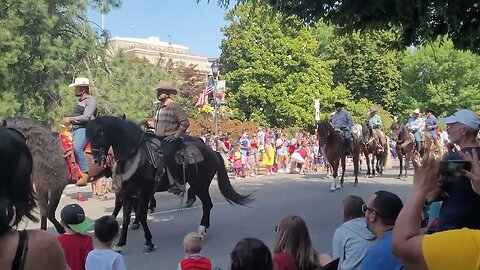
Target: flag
203,98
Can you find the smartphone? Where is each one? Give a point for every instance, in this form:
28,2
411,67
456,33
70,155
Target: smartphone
452,170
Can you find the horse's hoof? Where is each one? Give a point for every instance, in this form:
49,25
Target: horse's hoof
118,249
189,203
398,177
202,230
134,226
332,190
149,248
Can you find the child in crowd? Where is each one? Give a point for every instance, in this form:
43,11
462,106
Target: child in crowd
103,257
237,161
76,245
192,244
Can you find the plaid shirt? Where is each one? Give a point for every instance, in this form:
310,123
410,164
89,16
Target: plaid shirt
170,119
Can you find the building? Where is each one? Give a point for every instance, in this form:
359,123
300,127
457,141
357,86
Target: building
153,49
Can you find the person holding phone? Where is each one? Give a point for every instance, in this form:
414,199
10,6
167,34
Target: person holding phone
461,204
452,249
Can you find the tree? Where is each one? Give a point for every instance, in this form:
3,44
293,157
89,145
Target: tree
439,77
272,70
416,21
368,66
41,43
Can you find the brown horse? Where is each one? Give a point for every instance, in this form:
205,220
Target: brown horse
377,146
404,144
49,173
335,150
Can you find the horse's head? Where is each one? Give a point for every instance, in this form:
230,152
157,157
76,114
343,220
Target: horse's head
396,130
99,144
324,130
366,132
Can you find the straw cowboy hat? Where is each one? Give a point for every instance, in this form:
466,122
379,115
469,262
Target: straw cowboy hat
416,111
165,87
372,110
80,82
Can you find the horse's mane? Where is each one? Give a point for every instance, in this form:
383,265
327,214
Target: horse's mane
48,161
327,125
123,125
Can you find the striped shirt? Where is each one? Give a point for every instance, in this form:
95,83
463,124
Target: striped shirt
170,119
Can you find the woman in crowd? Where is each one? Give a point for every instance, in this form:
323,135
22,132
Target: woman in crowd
27,249
293,243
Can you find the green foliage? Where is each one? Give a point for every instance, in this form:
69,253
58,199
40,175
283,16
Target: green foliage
367,66
271,67
417,21
441,78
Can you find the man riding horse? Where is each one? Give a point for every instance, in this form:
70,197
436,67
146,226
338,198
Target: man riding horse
342,120
84,111
415,126
171,123
374,121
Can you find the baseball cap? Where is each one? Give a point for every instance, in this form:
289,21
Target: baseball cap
467,117
74,216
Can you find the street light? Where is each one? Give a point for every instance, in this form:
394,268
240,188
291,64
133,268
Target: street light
215,67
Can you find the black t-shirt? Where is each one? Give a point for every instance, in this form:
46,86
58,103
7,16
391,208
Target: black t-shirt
462,207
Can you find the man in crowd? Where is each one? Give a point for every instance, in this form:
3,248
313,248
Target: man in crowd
452,249
84,111
381,211
170,125
342,120
352,239
462,128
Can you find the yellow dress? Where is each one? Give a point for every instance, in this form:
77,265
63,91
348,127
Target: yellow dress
268,161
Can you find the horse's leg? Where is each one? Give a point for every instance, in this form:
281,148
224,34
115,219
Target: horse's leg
334,165
372,163
152,204
52,207
191,198
136,222
207,206
43,207
141,216
118,204
400,159
367,161
343,172
356,162
127,203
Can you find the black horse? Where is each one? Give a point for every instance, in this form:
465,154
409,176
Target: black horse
128,142
404,144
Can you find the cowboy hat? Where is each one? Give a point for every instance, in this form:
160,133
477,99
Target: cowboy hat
80,82
165,87
416,111
338,104
372,110
430,110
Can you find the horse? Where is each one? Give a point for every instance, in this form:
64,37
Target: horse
404,144
136,172
335,152
371,146
49,174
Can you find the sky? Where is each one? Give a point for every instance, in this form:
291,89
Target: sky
183,22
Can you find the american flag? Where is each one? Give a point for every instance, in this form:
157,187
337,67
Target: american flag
204,95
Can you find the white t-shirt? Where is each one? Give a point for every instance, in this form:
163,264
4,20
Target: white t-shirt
104,259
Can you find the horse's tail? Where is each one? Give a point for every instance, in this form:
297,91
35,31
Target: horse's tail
386,153
226,187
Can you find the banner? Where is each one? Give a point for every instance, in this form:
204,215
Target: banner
220,92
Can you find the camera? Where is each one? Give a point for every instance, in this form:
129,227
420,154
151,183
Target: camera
453,170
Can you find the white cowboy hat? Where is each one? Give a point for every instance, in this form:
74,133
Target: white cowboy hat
80,82
416,111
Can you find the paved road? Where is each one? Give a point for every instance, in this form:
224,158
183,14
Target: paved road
276,197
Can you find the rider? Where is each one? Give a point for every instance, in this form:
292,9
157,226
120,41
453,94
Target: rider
432,125
342,120
375,122
85,110
415,126
170,124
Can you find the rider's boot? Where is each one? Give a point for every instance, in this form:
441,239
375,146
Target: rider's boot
83,180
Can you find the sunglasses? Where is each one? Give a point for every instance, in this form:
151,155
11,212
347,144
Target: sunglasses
365,208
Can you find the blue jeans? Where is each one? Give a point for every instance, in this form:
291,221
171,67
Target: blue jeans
347,134
79,144
418,137
169,149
